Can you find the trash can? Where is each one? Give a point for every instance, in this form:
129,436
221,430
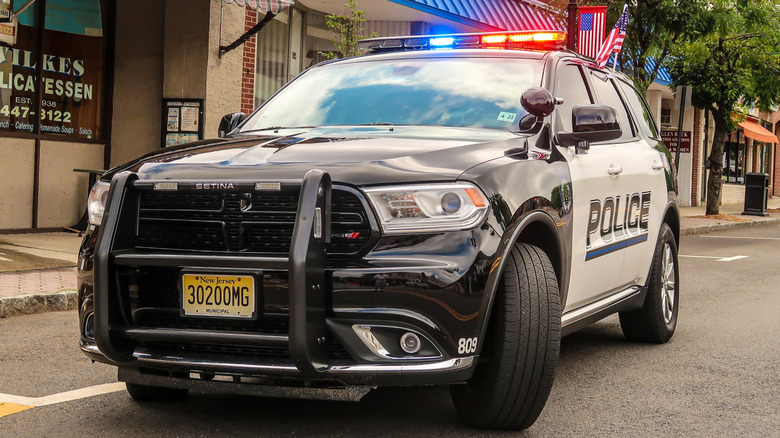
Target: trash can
756,193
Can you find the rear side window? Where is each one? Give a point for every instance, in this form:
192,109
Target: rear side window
608,95
570,85
639,107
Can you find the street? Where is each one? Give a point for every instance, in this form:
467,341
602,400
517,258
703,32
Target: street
718,376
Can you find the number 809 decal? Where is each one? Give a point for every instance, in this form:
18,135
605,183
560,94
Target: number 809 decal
467,345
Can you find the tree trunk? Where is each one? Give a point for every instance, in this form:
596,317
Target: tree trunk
715,162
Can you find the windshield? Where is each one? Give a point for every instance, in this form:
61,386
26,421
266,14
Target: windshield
457,92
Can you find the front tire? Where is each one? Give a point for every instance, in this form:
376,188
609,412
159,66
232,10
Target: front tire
656,321
510,388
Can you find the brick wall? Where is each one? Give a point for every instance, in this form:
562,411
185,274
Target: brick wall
696,149
248,69
776,186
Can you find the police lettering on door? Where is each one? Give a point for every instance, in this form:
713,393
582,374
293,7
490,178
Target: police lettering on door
617,223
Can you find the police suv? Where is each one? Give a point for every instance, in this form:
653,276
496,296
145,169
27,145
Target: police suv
439,211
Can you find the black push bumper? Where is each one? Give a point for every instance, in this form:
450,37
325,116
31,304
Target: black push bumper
115,336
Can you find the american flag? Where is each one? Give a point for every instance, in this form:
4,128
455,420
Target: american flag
591,33
614,41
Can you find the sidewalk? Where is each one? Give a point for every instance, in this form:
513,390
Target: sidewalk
38,271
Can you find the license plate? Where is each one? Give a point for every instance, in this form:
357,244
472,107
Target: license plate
225,296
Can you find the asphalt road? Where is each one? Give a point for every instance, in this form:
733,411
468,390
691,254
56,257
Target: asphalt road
718,376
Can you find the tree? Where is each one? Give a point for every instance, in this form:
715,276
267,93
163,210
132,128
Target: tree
654,28
738,62
347,30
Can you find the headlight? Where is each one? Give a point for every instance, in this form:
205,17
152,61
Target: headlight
428,208
96,204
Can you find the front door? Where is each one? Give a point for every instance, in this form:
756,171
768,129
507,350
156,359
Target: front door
597,189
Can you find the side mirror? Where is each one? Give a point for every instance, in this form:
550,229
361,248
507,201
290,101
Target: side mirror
538,101
590,123
230,122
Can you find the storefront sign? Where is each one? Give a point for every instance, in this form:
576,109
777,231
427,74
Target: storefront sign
59,91
6,7
8,32
670,140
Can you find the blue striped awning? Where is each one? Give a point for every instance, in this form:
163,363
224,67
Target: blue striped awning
663,78
491,14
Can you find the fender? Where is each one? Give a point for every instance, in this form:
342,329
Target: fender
508,241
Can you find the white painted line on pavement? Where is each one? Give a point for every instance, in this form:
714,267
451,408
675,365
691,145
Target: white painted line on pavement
718,258
731,259
740,237
62,397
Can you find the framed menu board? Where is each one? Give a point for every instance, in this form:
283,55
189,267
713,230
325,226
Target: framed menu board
182,121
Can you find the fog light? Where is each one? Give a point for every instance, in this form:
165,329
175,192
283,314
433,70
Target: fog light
410,343
89,326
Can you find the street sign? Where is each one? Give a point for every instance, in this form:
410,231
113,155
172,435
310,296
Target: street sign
678,93
669,138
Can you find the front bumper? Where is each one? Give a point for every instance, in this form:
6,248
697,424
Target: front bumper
322,305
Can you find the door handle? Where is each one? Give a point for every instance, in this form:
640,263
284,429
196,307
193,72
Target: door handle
614,170
657,165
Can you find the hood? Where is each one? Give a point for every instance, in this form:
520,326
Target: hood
362,156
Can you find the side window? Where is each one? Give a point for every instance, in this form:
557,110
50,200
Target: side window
639,106
608,95
570,85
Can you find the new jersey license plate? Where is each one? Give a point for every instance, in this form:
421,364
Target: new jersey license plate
226,296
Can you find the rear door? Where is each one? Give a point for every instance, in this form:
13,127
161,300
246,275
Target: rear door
650,167
640,194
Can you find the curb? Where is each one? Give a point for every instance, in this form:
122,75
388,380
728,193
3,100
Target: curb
37,303
702,229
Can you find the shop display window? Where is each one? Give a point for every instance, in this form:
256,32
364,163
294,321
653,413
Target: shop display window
59,91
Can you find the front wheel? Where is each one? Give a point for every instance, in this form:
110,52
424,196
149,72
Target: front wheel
511,384
656,321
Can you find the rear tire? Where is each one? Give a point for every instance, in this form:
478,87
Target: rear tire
155,393
656,321
510,388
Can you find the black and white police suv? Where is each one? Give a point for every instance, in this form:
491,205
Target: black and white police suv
438,212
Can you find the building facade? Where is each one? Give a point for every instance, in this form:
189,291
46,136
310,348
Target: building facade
89,84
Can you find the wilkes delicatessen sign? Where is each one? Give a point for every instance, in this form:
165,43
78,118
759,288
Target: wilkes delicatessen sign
62,83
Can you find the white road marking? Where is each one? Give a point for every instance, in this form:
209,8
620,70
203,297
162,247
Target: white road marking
740,237
62,397
729,259
718,258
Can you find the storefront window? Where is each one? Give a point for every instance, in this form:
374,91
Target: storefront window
272,51
734,161
71,71
18,58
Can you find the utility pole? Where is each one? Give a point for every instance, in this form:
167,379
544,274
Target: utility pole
571,41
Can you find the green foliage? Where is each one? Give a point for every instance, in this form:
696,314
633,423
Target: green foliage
655,27
346,31
736,63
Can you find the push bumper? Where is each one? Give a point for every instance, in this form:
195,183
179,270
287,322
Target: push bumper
115,337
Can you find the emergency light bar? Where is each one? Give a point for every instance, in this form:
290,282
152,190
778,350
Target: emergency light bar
528,40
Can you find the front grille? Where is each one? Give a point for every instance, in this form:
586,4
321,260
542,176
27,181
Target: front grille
252,223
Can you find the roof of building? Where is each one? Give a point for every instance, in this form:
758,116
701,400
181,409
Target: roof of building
491,14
